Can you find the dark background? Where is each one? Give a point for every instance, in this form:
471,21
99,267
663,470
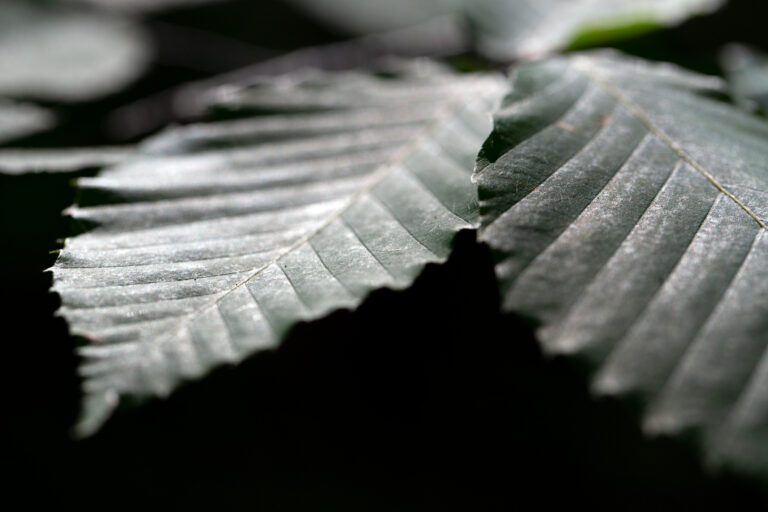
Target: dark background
426,399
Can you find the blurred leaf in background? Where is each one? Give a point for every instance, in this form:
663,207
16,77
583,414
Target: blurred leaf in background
214,241
507,30
747,71
51,53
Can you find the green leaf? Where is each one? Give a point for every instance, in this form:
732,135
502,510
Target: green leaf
19,120
218,238
521,29
518,29
626,211
747,72
67,55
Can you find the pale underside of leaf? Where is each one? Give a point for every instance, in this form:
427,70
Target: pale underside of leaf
219,238
626,210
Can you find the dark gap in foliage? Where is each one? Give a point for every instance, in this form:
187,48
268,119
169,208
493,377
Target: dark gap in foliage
39,365
426,399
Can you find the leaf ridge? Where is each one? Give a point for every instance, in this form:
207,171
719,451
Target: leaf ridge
375,180
681,360
352,230
642,311
180,266
618,246
658,283
617,348
571,108
635,150
589,69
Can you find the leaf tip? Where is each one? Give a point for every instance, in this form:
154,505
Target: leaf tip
96,409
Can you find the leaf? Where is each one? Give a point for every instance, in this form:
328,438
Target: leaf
40,160
66,55
508,30
386,52
436,39
19,120
747,72
520,29
220,237
255,93
626,210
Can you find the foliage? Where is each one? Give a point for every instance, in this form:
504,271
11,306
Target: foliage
616,204
650,270
51,53
213,241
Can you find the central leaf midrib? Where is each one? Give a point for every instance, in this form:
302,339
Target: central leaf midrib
451,107
614,90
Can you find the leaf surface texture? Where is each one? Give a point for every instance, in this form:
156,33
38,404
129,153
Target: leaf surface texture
626,210
512,29
218,238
